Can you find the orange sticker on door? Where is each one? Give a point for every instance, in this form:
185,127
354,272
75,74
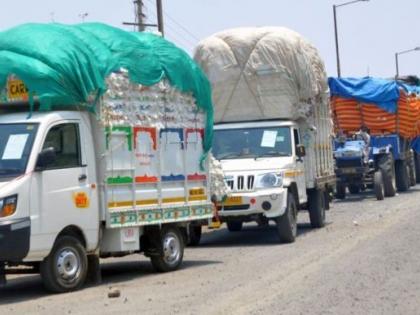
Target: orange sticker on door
81,200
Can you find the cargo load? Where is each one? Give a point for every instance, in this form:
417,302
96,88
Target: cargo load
384,106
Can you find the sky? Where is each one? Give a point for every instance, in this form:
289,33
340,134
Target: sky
370,33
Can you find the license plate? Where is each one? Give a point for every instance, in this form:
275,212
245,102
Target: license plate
16,90
233,201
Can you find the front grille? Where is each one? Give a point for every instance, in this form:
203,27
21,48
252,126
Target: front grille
230,183
349,162
251,182
241,183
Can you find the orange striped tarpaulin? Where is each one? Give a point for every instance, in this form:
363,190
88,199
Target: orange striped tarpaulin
350,115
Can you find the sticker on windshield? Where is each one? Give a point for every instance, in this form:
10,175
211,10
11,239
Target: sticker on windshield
269,139
280,139
15,146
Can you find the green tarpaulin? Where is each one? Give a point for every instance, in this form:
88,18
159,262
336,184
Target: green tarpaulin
67,64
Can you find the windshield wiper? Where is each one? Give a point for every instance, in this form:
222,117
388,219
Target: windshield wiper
235,155
272,153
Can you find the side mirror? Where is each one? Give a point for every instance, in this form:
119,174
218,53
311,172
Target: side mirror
45,158
300,151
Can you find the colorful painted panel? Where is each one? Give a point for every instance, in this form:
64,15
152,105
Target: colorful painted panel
172,165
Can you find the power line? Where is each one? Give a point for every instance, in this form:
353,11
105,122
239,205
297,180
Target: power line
176,34
178,24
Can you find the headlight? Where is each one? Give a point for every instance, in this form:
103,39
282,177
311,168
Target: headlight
8,206
270,180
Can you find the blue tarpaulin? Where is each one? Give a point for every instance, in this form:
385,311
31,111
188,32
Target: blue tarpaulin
383,93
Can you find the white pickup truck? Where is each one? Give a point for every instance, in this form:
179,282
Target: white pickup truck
273,126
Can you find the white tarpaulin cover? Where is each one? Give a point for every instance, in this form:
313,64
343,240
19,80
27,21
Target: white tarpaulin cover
263,73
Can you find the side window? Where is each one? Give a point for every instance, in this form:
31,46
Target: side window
65,141
296,137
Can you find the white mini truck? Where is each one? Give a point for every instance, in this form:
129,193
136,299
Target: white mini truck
273,126
76,186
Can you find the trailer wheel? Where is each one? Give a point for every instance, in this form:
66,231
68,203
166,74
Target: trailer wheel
194,235
234,225
286,224
417,166
354,189
65,268
402,175
171,251
412,170
316,205
387,168
378,185
341,191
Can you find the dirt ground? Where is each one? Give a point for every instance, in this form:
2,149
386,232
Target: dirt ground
365,261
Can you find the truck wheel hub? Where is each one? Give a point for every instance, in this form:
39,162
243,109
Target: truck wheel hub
171,249
67,264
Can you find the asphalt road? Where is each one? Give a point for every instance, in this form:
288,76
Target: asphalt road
365,261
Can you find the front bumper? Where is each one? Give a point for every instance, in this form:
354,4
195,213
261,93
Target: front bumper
14,239
252,203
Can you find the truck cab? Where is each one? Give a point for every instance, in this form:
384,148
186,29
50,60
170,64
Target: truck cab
263,164
47,182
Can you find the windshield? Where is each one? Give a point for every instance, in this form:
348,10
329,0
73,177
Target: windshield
15,147
252,143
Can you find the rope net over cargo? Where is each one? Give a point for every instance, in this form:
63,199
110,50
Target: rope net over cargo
67,65
263,73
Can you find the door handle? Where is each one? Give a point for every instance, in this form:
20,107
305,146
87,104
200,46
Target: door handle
82,177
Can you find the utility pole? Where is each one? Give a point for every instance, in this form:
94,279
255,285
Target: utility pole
140,16
159,13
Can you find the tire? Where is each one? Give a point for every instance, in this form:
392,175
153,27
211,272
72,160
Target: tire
316,205
412,170
171,251
354,189
234,225
387,168
286,224
194,235
402,175
417,166
65,268
378,185
341,191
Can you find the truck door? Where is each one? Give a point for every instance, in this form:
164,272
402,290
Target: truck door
66,194
300,168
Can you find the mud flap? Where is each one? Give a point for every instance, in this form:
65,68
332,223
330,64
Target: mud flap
94,269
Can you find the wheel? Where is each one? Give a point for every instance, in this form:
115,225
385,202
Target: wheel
386,166
402,175
234,225
417,166
341,191
316,205
286,224
194,235
412,170
171,250
378,185
354,189
65,268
